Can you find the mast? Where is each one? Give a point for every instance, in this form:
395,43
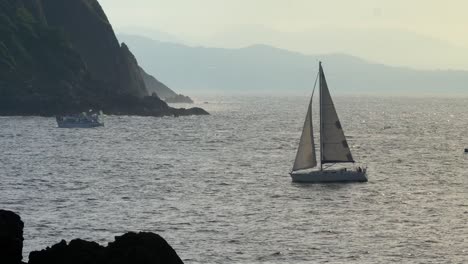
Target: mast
320,121
311,125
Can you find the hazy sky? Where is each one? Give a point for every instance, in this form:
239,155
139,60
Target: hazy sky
230,23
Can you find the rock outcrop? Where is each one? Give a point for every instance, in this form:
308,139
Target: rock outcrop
130,248
77,251
180,98
140,248
63,56
148,106
11,238
162,91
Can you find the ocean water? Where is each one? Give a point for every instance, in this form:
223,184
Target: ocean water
217,187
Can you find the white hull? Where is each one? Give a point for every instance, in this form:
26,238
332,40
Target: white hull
327,176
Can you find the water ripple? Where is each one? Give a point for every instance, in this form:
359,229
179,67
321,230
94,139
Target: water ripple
217,187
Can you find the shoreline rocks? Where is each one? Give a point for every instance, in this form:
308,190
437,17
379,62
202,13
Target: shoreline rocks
130,248
117,105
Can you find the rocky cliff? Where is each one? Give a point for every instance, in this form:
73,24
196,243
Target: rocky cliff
37,63
92,36
62,56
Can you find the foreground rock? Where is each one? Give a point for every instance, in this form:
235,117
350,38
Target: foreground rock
77,251
131,248
11,238
140,248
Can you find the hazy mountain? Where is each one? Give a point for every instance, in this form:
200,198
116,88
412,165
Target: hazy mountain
268,69
151,33
383,45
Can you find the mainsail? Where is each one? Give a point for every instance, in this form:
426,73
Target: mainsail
305,157
334,146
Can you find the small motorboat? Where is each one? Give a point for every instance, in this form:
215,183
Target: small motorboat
83,120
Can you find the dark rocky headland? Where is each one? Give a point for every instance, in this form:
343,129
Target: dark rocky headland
163,92
60,57
130,248
179,98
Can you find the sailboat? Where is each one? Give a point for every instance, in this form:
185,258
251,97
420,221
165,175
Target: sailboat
334,148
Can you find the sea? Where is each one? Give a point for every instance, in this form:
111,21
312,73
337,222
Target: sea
218,189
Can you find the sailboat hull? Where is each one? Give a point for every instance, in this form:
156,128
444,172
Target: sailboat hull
329,176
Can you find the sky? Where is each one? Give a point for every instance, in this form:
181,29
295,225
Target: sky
427,34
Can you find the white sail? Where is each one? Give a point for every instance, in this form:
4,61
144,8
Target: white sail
305,157
333,141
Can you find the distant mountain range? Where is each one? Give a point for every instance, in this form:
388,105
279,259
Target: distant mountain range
382,45
263,68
